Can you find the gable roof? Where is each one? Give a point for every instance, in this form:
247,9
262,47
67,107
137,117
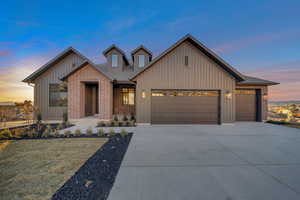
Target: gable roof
105,52
202,48
56,59
249,80
86,62
141,47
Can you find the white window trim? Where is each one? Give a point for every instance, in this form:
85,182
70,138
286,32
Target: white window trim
141,56
112,60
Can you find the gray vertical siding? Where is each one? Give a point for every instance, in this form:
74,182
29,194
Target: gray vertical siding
52,75
170,72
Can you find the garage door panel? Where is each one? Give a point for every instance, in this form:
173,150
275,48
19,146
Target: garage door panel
170,109
246,105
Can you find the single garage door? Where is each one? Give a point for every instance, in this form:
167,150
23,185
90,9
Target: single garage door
184,107
246,107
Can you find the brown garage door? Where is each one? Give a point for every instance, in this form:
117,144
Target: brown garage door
246,105
184,107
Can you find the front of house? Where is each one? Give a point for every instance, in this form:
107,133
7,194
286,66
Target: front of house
186,84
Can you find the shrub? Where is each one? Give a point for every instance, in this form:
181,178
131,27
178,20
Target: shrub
77,132
111,132
132,118
120,123
49,128
100,132
60,126
101,124
6,133
39,117
56,133
33,133
89,131
65,117
112,123
116,118
67,124
123,132
19,132
67,133
46,133
125,118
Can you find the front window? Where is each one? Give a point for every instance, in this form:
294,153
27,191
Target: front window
128,96
141,60
58,95
114,60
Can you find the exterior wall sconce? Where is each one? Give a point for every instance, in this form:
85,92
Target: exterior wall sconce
265,96
143,94
228,95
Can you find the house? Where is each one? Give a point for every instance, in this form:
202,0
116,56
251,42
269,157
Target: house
187,83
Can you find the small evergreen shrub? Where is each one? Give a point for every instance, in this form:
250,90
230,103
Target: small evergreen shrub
125,118
123,132
111,132
116,118
65,117
46,133
5,134
132,118
100,132
89,131
67,134
77,132
39,117
33,133
112,123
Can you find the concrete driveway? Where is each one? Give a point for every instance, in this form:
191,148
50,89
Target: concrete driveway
248,161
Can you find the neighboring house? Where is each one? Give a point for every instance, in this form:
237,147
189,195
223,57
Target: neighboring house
187,83
8,111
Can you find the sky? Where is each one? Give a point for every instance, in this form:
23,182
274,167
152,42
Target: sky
258,37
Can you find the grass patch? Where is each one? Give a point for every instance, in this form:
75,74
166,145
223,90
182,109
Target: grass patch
35,169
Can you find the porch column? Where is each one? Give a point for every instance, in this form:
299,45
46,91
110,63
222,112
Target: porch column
105,99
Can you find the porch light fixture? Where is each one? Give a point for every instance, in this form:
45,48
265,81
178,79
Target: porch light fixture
265,96
228,95
143,94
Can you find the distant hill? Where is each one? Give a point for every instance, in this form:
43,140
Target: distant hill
284,102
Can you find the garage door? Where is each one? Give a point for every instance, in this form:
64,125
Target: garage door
184,107
246,105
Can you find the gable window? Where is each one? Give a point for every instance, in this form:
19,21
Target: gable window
128,96
114,60
141,60
58,95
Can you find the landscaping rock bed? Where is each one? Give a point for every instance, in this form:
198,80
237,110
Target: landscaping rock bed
94,180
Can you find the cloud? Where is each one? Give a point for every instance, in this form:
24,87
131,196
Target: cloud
5,53
247,42
287,74
11,87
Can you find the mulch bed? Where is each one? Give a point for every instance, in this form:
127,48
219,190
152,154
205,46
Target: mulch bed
95,178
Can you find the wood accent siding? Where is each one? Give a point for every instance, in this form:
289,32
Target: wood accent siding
52,75
170,72
264,103
119,107
76,93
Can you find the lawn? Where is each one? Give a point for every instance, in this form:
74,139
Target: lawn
35,169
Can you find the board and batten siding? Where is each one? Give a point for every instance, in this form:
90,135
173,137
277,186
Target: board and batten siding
52,75
170,72
76,93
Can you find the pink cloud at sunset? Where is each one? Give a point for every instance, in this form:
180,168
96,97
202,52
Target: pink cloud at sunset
287,75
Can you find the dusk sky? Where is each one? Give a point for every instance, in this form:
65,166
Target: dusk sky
258,37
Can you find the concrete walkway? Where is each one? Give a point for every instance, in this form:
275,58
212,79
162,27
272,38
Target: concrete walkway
247,161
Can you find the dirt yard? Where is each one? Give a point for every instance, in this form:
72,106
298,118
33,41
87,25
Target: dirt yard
35,169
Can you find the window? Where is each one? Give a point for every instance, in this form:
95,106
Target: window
141,60
58,95
114,60
128,96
